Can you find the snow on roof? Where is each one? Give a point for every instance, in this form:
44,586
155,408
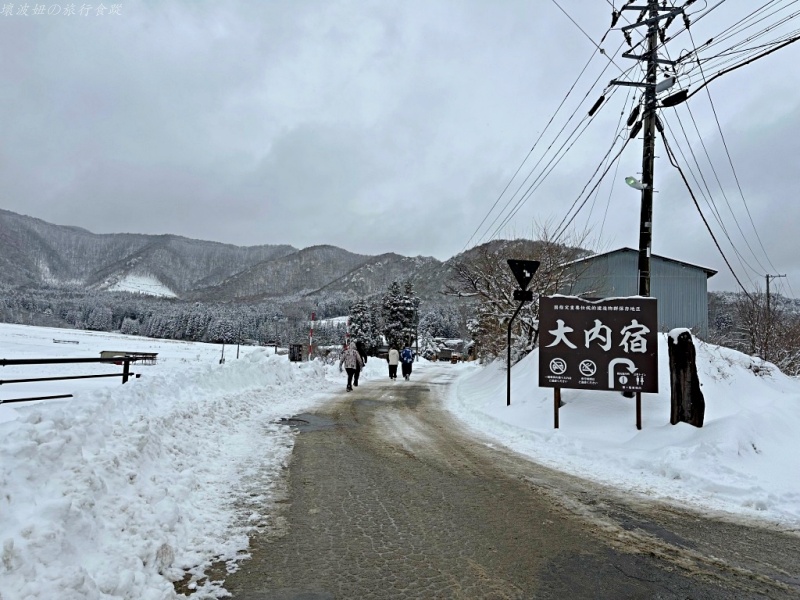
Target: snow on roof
709,272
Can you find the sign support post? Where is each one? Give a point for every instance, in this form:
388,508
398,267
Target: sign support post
556,406
638,410
523,270
508,370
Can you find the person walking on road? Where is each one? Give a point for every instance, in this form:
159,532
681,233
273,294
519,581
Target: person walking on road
407,358
393,359
352,363
361,348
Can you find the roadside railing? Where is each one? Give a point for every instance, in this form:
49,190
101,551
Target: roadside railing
5,362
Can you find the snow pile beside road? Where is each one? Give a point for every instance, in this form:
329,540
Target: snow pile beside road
120,490
744,460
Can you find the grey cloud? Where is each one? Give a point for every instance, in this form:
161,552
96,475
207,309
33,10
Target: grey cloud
376,126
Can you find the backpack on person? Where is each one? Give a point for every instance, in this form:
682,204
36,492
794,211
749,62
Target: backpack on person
407,356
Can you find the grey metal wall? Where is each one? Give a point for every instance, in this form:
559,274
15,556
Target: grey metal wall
681,290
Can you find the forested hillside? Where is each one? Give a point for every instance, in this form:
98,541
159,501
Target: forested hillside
33,252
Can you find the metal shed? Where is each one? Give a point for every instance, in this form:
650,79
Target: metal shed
681,288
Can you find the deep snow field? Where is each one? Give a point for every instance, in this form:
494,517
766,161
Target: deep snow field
122,489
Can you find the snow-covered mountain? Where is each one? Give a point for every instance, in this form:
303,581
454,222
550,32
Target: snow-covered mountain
34,252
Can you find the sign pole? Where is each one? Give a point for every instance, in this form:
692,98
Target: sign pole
638,410
523,271
556,406
508,376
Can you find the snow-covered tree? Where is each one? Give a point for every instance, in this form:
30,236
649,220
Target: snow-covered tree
129,326
394,311
222,330
99,319
440,321
399,311
364,325
483,276
410,313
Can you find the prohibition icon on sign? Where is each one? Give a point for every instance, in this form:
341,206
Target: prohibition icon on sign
587,368
558,366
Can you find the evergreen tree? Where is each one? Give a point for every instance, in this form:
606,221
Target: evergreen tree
364,325
440,321
393,315
410,304
399,314
222,330
129,326
99,319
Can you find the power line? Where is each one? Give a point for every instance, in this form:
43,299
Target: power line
550,165
541,135
733,169
722,188
675,164
710,199
516,207
554,160
707,81
613,179
574,22
560,230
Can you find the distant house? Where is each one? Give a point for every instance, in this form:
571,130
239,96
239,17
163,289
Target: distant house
681,288
446,349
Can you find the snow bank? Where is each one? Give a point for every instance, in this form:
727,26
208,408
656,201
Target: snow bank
744,460
121,490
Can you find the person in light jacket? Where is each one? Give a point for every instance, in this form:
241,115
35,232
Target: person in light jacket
393,359
352,362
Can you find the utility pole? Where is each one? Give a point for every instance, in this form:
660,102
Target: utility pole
648,126
648,153
769,318
311,338
416,333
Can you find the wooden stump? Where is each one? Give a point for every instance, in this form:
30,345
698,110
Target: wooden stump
687,402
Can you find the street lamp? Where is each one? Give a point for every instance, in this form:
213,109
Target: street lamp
635,183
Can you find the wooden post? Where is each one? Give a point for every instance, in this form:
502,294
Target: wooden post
687,402
638,410
126,369
556,406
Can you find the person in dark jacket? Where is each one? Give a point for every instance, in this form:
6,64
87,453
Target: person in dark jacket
407,360
361,348
352,362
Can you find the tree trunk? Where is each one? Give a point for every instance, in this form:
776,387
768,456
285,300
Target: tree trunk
687,402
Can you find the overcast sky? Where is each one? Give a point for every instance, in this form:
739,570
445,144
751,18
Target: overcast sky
381,126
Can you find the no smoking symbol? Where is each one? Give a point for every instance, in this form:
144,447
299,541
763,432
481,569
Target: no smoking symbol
587,368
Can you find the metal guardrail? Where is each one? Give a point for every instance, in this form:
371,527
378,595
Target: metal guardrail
126,372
